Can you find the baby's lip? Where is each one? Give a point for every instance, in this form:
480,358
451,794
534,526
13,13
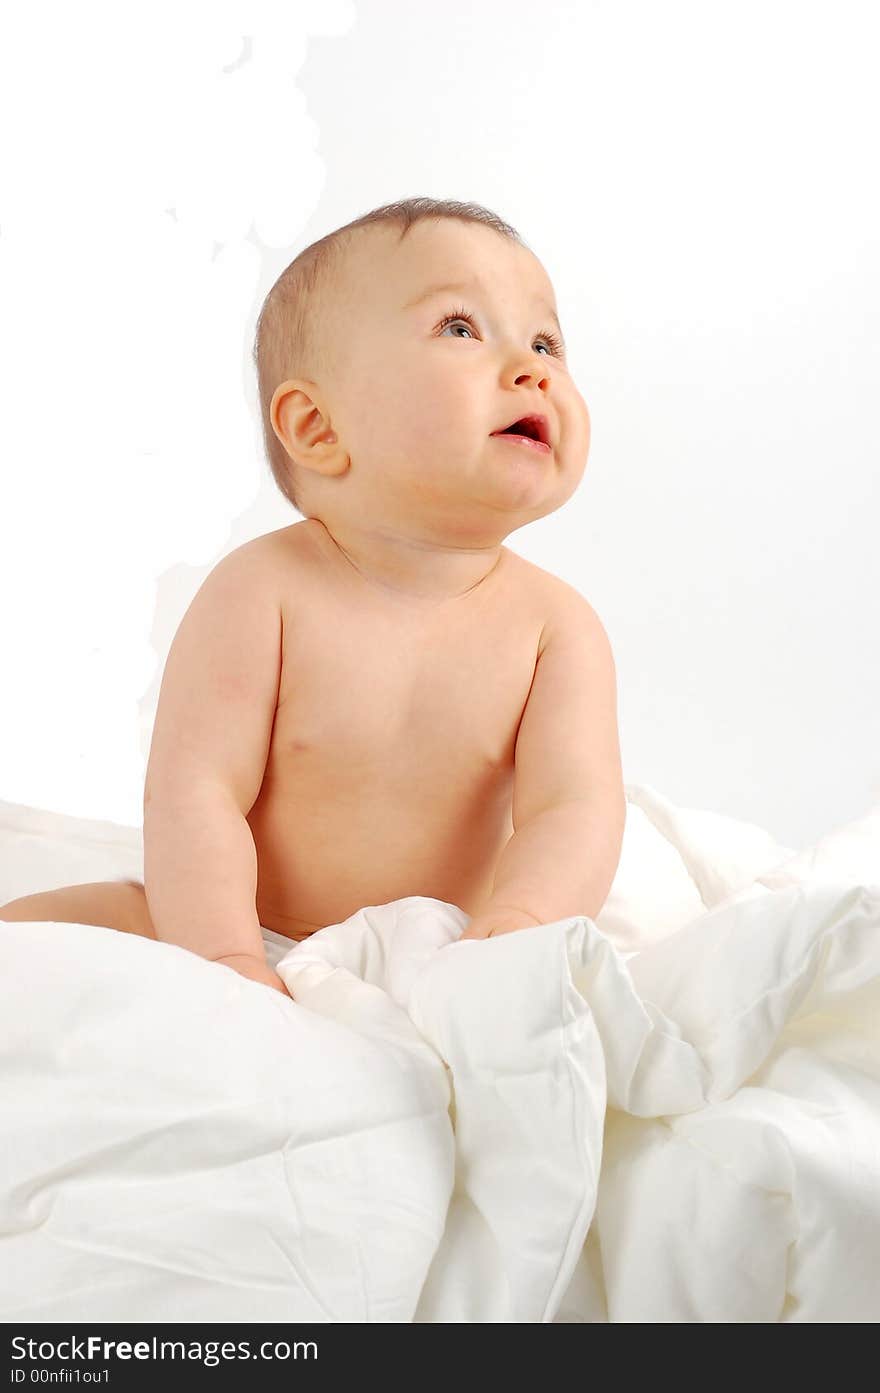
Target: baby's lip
540,425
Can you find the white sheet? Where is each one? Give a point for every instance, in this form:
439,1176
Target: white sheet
538,1127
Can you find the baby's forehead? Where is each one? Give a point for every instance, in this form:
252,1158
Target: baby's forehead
469,279
412,292
519,272
388,282
453,257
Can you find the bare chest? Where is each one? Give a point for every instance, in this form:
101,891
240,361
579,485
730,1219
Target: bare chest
390,767
395,703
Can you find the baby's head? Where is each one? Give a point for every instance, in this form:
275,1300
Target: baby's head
375,410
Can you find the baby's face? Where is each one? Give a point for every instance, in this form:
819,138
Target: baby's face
417,401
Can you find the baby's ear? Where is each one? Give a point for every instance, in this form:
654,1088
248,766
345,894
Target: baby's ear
299,418
291,405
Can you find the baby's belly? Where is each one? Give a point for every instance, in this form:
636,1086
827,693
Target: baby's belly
326,848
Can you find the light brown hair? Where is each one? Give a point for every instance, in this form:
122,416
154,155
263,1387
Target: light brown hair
289,342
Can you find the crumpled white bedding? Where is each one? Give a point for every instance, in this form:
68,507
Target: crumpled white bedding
552,1125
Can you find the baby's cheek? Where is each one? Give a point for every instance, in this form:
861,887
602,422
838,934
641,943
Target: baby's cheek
586,423
577,438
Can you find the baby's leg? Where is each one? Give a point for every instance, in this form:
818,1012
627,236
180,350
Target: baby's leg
109,904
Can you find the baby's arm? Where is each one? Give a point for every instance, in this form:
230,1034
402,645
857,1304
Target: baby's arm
569,801
207,759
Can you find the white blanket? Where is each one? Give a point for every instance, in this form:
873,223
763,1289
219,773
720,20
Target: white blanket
547,1126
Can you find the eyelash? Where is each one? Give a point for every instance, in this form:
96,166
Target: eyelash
555,344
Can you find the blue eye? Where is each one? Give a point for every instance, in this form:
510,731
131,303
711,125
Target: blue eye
557,349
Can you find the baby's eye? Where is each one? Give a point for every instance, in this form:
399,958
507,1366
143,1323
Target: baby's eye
556,347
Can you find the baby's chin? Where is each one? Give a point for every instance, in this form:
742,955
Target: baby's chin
522,478
506,479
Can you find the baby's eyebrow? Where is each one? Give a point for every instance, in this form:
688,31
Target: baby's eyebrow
469,285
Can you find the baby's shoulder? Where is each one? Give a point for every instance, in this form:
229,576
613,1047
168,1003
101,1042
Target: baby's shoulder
559,604
271,553
548,590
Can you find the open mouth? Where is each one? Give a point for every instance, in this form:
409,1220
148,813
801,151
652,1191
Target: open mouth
529,431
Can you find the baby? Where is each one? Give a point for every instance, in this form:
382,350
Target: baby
383,700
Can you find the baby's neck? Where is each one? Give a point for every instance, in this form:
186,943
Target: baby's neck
409,567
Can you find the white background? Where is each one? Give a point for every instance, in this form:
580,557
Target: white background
700,182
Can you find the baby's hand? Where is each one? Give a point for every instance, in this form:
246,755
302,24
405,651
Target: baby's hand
257,969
